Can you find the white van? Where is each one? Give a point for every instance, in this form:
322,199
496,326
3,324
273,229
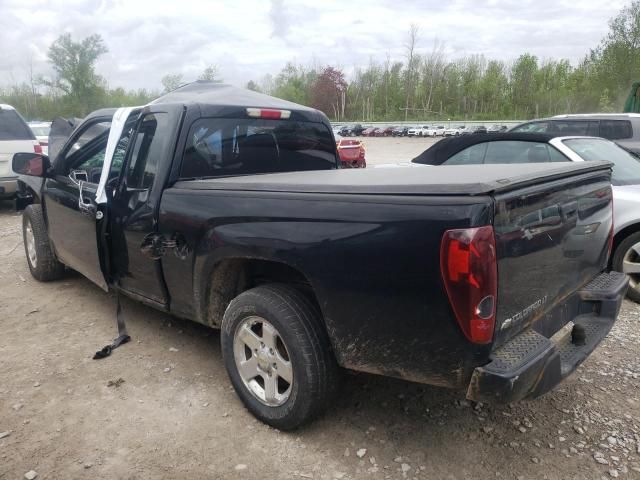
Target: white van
15,137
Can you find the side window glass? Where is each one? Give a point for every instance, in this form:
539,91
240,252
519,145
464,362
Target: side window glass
615,129
569,127
555,155
533,127
472,155
150,143
516,152
85,157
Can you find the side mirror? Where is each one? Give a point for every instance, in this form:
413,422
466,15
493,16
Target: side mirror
32,164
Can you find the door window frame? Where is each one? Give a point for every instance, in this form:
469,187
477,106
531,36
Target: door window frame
61,166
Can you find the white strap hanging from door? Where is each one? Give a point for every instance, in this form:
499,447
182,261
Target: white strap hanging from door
117,125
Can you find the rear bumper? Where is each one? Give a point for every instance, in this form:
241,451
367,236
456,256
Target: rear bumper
531,364
8,187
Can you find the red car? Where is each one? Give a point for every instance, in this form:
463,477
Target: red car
351,153
369,132
384,132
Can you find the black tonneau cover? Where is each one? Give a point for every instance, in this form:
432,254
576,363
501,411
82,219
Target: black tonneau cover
442,180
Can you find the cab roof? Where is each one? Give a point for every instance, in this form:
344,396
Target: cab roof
212,93
219,99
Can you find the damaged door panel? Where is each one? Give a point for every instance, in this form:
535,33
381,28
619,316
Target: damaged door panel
134,206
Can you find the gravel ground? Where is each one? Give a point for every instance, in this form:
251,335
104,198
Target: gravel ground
162,406
381,150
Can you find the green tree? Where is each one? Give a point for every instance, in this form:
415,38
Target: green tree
211,74
251,85
74,65
171,82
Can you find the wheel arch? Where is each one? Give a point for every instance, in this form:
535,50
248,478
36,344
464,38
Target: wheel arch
619,237
225,278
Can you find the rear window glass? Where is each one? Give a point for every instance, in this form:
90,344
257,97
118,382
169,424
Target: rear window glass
12,127
615,129
218,147
473,155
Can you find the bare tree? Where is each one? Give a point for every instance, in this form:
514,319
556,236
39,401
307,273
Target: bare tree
433,65
410,47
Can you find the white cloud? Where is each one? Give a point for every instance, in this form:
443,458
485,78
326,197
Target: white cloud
247,39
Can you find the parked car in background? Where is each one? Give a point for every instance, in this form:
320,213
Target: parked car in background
384,131
505,148
400,131
497,129
369,132
622,128
479,129
41,131
439,129
345,131
15,136
356,130
417,131
428,131
351,153
453,131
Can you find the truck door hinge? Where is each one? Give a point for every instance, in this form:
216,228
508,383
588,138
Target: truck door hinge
156,245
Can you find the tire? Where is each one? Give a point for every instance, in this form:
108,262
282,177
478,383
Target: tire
43,264
629,250
313,371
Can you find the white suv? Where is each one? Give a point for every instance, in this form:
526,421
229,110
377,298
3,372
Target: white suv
417,131
434,131
15,137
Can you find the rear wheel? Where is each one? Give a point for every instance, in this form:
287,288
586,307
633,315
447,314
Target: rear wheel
277,354
43,264
627,259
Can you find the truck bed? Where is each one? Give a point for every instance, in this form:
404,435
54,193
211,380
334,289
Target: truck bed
443,180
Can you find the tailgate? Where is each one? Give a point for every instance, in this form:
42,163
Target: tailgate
552,238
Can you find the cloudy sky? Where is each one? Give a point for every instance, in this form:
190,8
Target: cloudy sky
247,39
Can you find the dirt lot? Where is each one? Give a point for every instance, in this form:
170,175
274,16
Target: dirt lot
175,415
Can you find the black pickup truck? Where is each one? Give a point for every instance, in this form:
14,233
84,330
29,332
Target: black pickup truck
227,207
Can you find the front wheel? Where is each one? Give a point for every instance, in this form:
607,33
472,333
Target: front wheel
43,264
278,356
627,259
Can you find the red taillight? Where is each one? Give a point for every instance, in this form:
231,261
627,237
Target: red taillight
470,272
268,113
37,148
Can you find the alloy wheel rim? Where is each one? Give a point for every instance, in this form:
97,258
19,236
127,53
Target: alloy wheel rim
631,265
263,361
31,245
